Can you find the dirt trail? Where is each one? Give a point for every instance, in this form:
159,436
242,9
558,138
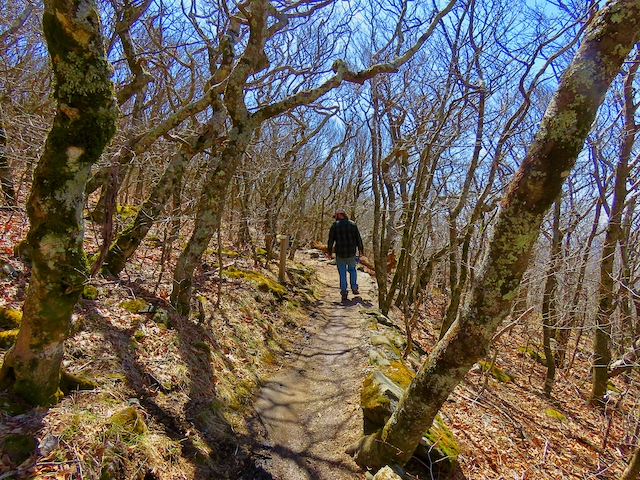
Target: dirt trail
311,409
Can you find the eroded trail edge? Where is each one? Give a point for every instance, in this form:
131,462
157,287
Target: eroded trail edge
311,408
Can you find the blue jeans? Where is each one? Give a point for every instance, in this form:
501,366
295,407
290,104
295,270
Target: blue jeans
347,265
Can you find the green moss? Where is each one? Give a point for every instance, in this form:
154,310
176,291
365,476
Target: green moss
533,354
134,306
11,407
8,338
612,388
202,346
441,437
370,398
89,292
496,372
10,318
398,373
18,447
70,382
126,212
555,414
139,335
130,420
264,284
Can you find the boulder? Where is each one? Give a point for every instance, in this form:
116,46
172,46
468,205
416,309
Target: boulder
380,395
386,473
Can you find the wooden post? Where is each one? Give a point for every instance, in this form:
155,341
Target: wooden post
284,244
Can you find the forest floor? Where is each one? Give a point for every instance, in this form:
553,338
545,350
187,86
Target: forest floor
258,385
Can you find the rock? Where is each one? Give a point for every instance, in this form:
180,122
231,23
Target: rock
48,444
377,340
314,253
377,358
386,473
378,400
18,447
162,317
380,395
7,270
130,419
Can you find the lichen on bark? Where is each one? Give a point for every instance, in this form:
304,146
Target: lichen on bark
85,121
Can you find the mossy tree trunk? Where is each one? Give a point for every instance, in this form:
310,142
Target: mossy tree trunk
537,183
85,121
606,291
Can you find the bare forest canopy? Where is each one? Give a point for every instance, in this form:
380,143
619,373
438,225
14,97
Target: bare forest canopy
239,122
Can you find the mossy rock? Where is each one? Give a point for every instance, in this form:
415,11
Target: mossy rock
134,306
7,270
8,338
496,372
10,318
23,250
379,399
89,292
11,407
533,354
264,283
18,447
550,412
162,318
130,420
70,382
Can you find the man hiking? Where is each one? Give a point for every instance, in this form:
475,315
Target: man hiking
345,237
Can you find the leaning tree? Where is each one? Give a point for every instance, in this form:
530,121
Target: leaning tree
536,185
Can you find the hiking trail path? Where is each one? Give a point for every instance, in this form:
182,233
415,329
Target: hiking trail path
311,407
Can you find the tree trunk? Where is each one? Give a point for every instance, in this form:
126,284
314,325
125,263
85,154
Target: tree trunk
85,121
6,182
606,292
549,314
129,239
208,219
536,185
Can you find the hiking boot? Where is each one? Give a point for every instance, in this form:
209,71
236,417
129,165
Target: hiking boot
356,291
344,296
